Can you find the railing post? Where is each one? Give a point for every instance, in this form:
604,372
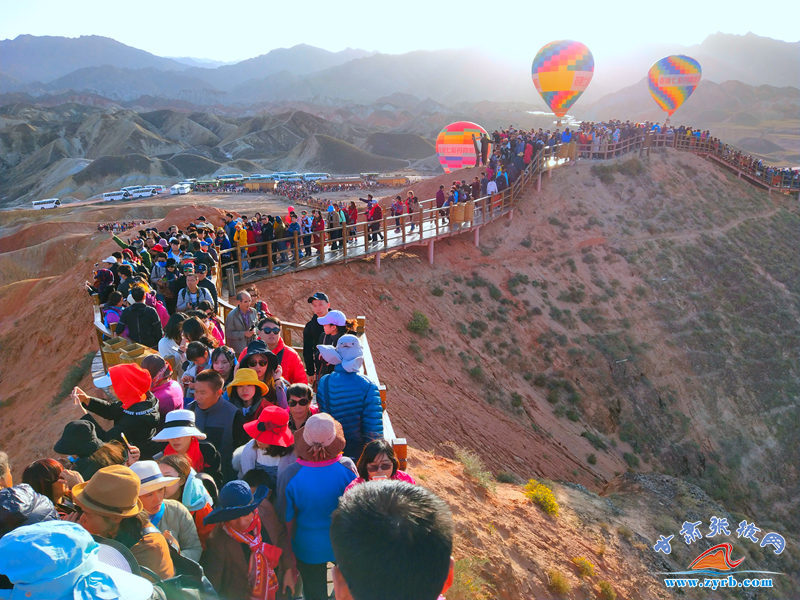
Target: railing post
322,236
239,260
403,230
296,251
269,257
385,233
344,240
366,236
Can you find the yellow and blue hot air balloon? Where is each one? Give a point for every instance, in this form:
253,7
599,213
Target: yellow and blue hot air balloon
561,72
672,80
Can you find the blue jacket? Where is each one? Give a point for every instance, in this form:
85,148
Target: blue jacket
355,402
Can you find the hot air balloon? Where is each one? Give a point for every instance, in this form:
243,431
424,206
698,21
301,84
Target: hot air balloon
672,80
458,145
561,71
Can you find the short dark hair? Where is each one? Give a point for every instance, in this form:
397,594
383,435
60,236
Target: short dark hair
370,452
125,270
269,319
114,298
195,350
212,377
388,527
172,330
299,390
138,293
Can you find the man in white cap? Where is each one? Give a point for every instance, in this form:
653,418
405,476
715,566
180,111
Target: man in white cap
171,517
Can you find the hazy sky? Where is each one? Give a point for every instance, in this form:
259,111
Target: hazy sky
242,29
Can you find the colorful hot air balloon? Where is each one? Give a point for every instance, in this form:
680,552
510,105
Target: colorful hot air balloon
458,145
672,80
561,71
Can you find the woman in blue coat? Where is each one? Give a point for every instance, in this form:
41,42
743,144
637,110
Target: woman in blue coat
349,397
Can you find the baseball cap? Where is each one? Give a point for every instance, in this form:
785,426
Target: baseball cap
334,317
318,296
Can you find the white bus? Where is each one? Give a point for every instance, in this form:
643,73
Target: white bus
118,195
284,175
46,203
180,188
315,176
141,192
128,188
159,189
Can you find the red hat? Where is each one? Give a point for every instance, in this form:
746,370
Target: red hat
130,382
272,427
157,248
127,252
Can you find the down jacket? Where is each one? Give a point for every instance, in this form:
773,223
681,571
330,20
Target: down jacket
355,402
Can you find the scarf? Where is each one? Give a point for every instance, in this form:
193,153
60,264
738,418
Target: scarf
156,518
193,454
263,560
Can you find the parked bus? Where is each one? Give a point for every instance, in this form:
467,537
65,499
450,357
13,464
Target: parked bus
284,175
159,189
46,203
118,195
141,192
128,188
231,176
180,188
315,176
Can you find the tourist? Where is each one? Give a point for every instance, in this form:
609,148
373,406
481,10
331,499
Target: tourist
167,391
189,489
378,462
352,399
134,411
238,559
169,346
298,396
49,478
60,561
241,322
292,370
258,357
185,439
312,495
312,332
223,361
141,321
170,516
386,528
246,392
271,447
111,508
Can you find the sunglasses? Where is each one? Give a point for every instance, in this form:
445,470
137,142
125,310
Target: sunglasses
386,466
260,363
271,330
300,401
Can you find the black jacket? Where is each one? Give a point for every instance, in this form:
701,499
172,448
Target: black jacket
311,334
139,422
144,326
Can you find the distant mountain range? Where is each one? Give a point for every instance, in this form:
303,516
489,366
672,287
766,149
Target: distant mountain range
42,66
86,115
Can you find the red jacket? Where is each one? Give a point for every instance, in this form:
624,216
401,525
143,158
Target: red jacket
291,365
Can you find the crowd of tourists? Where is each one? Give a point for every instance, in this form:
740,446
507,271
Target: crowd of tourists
224,460
119,226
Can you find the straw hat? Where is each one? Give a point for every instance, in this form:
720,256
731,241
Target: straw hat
247,377
150,476
113,492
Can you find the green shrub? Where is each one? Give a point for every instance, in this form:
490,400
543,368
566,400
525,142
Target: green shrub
506,477
419,323
606,591
557,583
437,291
468,582
476,373
603,172
542,496
631,459
592,459
516,400
473,466
585,568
